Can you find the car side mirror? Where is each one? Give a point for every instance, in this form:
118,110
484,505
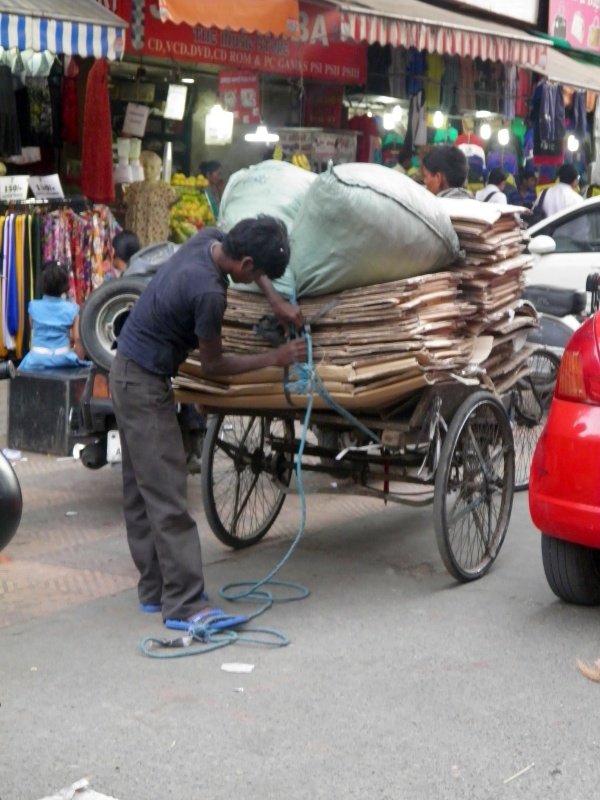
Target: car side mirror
541,245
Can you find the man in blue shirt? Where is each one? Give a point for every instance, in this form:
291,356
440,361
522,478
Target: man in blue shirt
181,309
525,194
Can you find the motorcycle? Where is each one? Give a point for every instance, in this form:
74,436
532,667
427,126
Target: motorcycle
11,499
93,422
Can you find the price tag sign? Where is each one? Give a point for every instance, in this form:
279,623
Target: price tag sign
14,187
47,187
136,118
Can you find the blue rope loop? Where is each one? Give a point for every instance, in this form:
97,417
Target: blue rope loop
203,638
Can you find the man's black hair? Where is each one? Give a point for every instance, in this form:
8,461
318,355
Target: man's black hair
54,279
125,244
567,173
206,167
264,239
526,174
450,161
496,176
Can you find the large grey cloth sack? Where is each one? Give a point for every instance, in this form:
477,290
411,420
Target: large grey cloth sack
271,187
362,224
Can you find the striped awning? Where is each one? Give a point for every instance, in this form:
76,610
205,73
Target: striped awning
416,24
277,17
72,27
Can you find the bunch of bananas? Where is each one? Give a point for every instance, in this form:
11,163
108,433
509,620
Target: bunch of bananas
197,181
278,153
299,159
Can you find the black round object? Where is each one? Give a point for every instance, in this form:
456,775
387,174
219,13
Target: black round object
11,502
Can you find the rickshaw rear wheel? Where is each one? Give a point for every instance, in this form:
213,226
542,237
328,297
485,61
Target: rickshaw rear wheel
246,460
474,487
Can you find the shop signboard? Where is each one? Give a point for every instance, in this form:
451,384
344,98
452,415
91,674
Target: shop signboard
239,93
46,187
315,53
524,10
14,187
577,21
323,105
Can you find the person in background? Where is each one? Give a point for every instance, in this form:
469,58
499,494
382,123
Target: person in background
182,308
445,172
213,172
54,322
563,194
494,191
125,244
524,194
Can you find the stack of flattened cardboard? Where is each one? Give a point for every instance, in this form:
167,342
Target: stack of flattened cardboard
371,346
493,279
375,345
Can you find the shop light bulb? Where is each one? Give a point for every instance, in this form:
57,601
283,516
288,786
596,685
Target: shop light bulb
503,136
397,113
438,120
187,80
369,113
483,114
485,131
389,122
573,143
218,126
262,135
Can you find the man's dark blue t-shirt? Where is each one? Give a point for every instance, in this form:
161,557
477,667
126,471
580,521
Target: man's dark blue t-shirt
185,301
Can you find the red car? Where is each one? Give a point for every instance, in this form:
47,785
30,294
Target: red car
564,483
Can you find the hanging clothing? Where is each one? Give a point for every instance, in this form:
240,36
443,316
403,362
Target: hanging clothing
417,122
96,158
523,93
433,80
398,71
548,117
510,91
467,84
10,137
449,100
415,71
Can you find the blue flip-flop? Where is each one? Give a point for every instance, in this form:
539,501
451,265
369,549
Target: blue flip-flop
209,619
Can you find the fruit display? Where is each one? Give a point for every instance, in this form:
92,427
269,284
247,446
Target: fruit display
192,211
299,159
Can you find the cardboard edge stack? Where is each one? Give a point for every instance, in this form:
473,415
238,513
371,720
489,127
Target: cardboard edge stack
376,345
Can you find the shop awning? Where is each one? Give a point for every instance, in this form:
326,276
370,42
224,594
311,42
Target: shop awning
439,30
73,27
279,17
566,70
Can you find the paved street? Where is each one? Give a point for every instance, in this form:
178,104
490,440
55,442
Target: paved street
398,683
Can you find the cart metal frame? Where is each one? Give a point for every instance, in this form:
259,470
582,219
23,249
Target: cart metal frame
450,446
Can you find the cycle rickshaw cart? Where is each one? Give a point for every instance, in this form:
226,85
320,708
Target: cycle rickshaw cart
448,445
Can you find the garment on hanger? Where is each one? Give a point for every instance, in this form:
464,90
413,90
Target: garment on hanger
415,72
523,94
417,121
10,137
96,152
433,80
510,91
450,95
467,84
398,72
548,117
